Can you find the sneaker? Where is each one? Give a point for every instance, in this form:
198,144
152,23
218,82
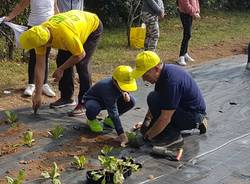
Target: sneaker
188,58
203,126
248,66
168,141
29,90
95,126
108,122
48,91
78,111
181,61
62,103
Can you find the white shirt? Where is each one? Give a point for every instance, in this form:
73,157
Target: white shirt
40,11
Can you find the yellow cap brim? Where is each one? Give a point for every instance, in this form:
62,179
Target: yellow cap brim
137,73
128,86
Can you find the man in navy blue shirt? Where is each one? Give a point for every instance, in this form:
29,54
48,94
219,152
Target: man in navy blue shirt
175,104
111,94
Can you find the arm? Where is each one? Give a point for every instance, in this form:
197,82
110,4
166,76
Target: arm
160,124
17,10
156,8
39,79
74,59
56,9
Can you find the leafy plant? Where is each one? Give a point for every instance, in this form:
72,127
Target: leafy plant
28,138
131,136
53,175
18,180
106,150
57,132
80,161
11,117
113,166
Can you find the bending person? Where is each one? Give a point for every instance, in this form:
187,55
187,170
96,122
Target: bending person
75,31
40,11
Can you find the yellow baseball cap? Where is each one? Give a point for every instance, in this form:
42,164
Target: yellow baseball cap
145,61
34,37
122,75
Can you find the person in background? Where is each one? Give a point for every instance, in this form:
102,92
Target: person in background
188,10
40,11
176,103
152,10
75,31
248,60
111,94
66,84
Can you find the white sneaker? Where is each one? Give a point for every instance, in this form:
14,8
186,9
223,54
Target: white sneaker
181,61
188,58
48,91
248,66
29,90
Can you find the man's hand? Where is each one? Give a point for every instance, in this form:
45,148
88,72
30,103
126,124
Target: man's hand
6,19
123,139
57,75
126,97
37,100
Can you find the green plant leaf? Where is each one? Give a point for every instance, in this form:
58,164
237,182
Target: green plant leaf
106,149
56,181
20,176
9,180
57,132
118,177
28,138
54,173
80,162
11,117
45,174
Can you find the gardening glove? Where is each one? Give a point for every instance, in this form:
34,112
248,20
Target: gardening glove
139,141
123,139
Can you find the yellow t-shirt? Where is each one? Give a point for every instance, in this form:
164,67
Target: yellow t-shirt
70,30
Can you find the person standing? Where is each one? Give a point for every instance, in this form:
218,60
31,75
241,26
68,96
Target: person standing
176,103
188,9
75,31
40,11
152,10
66,84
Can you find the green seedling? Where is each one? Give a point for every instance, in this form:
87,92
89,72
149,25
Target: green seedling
11,117
53,175
80,162
106,150
28,138
18,180
112,164
57,132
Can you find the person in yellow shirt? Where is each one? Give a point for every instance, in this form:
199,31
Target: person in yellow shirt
75,31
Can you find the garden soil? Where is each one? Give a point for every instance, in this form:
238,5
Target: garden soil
219,156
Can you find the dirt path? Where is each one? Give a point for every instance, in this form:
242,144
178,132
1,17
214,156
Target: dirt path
203,55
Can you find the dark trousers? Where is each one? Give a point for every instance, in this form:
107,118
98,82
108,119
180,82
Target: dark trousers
66,84
94,107
181,119
32,64
248,53
186,21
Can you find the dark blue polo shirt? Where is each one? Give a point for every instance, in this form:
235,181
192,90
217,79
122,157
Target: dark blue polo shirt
177,89
107,94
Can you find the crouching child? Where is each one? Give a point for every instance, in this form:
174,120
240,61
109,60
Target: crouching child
113,95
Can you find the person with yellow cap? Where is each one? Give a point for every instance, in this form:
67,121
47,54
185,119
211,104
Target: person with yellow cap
111,94
176,103
75,31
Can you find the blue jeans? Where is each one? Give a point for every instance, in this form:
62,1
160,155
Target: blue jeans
181,119
94,107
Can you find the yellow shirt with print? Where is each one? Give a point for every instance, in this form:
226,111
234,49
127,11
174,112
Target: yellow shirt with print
70,30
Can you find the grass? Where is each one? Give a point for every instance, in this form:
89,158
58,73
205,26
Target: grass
213,28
